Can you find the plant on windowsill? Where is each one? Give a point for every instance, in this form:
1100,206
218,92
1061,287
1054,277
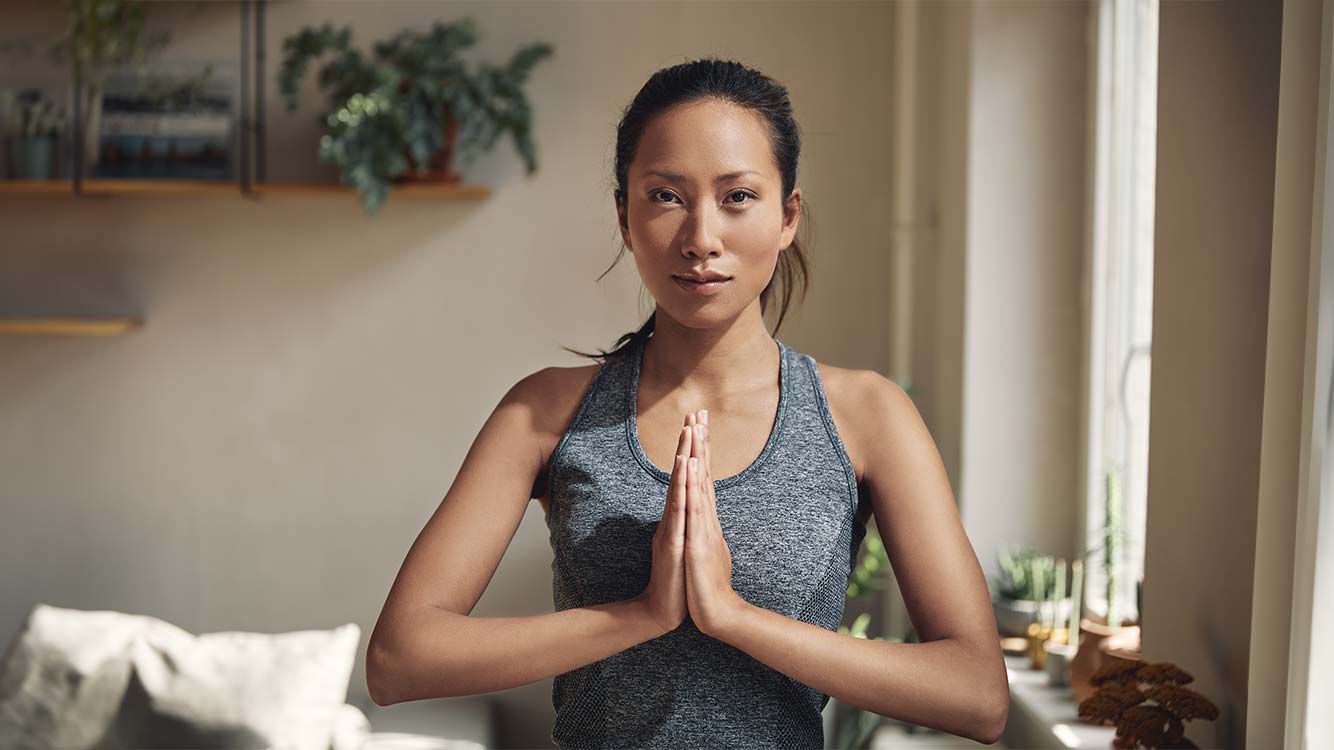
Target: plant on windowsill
405,113
1149,716
1025,591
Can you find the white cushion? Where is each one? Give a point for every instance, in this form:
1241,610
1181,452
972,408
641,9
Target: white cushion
351,727
63,676
236,689
76,680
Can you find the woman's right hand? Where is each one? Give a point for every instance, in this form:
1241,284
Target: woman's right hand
665,596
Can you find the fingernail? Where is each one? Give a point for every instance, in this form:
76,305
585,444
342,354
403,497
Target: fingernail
704,415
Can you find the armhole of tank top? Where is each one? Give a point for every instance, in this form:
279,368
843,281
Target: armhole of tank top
559,450
827,416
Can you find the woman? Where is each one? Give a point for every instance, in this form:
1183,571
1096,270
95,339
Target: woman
706,487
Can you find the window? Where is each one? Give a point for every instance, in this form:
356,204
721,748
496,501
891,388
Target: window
1120,301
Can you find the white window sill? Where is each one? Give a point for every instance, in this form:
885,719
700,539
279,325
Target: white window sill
1042,716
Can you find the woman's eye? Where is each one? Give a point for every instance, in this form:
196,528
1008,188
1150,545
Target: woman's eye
738,196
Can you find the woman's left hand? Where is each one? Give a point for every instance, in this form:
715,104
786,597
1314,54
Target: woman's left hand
708,560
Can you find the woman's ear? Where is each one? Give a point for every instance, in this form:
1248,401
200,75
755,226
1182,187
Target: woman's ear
791,217
623,219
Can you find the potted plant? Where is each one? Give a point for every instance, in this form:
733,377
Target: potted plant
32,125
1095,631
1147,703
1025,591
412,106
99,36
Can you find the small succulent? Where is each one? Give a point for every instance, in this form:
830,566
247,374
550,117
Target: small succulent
30,115
1026,574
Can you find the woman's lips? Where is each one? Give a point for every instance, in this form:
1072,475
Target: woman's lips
702,288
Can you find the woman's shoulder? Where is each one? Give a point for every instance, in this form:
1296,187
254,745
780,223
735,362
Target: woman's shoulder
849,391
556,394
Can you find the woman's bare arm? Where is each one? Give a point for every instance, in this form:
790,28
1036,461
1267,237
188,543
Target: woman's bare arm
425,643
954,680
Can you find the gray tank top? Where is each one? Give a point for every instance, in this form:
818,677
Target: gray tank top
790,520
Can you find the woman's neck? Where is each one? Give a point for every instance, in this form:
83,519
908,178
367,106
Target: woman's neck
718,361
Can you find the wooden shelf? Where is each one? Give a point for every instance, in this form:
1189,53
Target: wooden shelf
147,187
70,326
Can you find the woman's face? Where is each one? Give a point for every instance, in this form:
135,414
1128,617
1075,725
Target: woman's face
704,195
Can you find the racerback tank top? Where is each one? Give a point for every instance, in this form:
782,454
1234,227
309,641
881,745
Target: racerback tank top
790,521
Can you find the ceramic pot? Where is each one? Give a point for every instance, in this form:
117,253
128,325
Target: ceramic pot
1057,660
33,158
1013,616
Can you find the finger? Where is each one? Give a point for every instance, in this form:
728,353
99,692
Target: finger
682,449
694,521
677,494
689,446
704,485
708,473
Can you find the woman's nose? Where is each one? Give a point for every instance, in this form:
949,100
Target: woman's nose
701,234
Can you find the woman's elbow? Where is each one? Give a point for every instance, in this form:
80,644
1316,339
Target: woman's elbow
380,676
995,728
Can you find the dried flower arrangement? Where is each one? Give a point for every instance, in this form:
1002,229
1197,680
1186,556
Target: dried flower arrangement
1120,699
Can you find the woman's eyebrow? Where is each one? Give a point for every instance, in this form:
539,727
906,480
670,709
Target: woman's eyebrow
674,177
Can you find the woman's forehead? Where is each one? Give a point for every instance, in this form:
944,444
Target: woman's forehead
703,140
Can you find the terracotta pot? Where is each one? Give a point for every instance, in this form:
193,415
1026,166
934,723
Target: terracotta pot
1099,644
440,169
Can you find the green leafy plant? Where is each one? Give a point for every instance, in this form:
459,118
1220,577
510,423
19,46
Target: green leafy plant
411,105
36,117
98,38
1025,574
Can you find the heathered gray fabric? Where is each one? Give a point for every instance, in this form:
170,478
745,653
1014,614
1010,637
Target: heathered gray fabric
790,522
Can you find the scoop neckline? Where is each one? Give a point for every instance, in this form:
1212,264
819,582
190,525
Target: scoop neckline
775,431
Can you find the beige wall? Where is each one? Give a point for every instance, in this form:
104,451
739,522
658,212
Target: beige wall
1283,601
1218,98
261,454
1000,352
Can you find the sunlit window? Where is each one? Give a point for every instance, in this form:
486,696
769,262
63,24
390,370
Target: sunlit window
1120,311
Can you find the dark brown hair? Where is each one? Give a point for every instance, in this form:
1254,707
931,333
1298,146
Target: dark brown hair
732,82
